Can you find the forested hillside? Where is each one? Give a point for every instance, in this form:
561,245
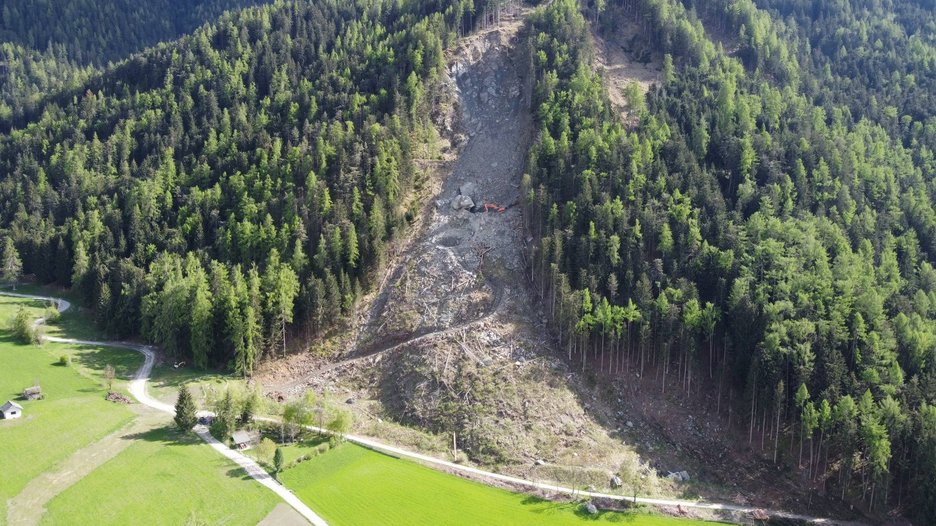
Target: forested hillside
26,76
51,45
753,237
877,59
102,31
212,193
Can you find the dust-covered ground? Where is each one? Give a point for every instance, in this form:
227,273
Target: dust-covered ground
452,343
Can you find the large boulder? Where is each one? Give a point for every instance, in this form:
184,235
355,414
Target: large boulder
678,476
590,508
467,189
462,202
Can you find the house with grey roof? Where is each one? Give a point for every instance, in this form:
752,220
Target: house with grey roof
245,439
11,410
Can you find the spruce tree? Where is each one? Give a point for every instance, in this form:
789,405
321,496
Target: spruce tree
12,264
278,460
185,410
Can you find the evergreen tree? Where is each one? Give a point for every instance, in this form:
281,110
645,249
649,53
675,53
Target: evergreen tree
201,331
225,420
12,264
185,410
278,461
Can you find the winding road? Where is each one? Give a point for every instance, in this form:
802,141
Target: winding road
137,388
524,483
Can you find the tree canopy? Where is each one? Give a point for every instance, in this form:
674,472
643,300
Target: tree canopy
757,233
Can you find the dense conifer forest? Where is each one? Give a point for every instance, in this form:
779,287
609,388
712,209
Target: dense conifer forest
753,236
220,193
102,31
52,45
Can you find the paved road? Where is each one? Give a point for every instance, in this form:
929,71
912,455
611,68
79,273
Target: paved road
519,482
138,390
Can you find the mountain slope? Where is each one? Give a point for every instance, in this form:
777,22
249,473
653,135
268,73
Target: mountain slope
46,47
78,25
746,241
214,192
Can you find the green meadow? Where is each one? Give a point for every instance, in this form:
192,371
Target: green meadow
352,485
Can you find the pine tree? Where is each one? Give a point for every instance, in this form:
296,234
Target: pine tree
284,285
252,307
351,247
225,416
234,323
185,410
12,264
249,407
201,340
278,461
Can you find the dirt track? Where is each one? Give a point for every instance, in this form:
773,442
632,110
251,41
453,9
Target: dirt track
137,388
452,340
448,330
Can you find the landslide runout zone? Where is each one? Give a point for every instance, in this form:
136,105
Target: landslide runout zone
453,343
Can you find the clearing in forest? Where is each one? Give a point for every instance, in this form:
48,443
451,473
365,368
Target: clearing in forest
614,59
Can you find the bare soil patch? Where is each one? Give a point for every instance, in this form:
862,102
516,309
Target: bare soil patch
615,60
452,341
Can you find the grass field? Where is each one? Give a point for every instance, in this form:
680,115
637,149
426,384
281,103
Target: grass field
351,485
135,486
163,478
73,414
160,479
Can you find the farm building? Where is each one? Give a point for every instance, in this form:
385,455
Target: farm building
11,410
245,439
33,393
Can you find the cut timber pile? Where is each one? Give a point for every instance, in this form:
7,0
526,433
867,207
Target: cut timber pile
117,398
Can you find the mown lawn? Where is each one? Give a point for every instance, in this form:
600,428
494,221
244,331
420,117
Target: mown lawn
74,413
351,485
164,479
157,480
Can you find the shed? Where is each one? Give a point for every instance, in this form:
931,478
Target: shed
33,393
244,439
11,410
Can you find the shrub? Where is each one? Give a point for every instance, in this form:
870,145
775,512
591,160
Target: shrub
52,315
64,360
23,328
266,450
